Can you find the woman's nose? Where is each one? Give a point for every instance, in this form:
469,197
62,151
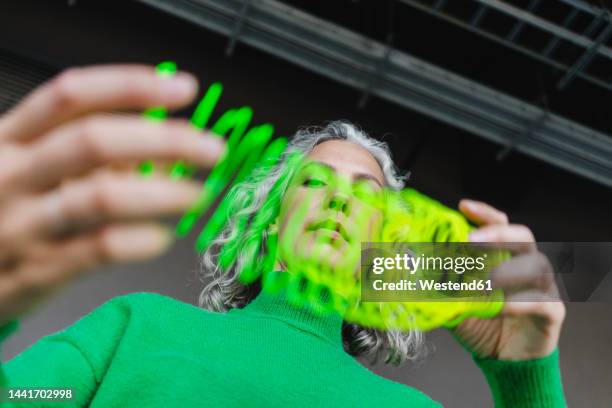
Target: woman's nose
340,201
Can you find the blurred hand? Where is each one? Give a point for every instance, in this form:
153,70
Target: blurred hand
530,323
70,199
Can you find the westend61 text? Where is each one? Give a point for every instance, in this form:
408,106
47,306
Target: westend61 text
431,284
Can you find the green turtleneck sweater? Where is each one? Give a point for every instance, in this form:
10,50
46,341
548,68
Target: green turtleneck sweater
148,350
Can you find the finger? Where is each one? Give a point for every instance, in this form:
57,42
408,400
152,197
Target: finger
514,237
53,264
534,303
89,143
524,272
80,91
93,201
14,161
481,213
165,168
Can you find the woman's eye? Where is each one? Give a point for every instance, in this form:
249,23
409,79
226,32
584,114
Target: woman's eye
363,190
367,192
313,182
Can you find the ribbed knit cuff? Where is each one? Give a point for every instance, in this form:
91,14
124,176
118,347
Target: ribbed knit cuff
530,383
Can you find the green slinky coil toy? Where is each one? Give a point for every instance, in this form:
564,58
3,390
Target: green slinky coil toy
409,217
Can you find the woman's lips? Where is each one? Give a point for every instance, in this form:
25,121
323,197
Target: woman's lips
332,228
332,233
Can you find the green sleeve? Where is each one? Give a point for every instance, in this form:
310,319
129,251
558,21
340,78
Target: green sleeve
530,383
75,358
6,331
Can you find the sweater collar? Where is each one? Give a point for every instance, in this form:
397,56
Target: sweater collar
278,306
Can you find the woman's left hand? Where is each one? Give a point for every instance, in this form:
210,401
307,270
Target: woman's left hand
528,327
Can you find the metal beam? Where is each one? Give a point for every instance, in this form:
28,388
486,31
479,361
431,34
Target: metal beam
554,42
540,56
545,25
529,130
350,58
379,71
478,15
586,58
231,45
518,27
583,6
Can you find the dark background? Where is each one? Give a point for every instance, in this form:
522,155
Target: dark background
445,162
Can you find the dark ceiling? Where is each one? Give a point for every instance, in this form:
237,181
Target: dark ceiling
473,56
444,161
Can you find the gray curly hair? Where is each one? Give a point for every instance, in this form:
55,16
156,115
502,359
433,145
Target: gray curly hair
223,290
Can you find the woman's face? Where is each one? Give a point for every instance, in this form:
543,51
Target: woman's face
330,205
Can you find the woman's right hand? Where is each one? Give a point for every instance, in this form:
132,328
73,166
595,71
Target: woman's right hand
70,199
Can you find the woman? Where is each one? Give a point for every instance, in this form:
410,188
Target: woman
148,350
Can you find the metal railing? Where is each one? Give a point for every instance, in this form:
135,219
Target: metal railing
355,60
